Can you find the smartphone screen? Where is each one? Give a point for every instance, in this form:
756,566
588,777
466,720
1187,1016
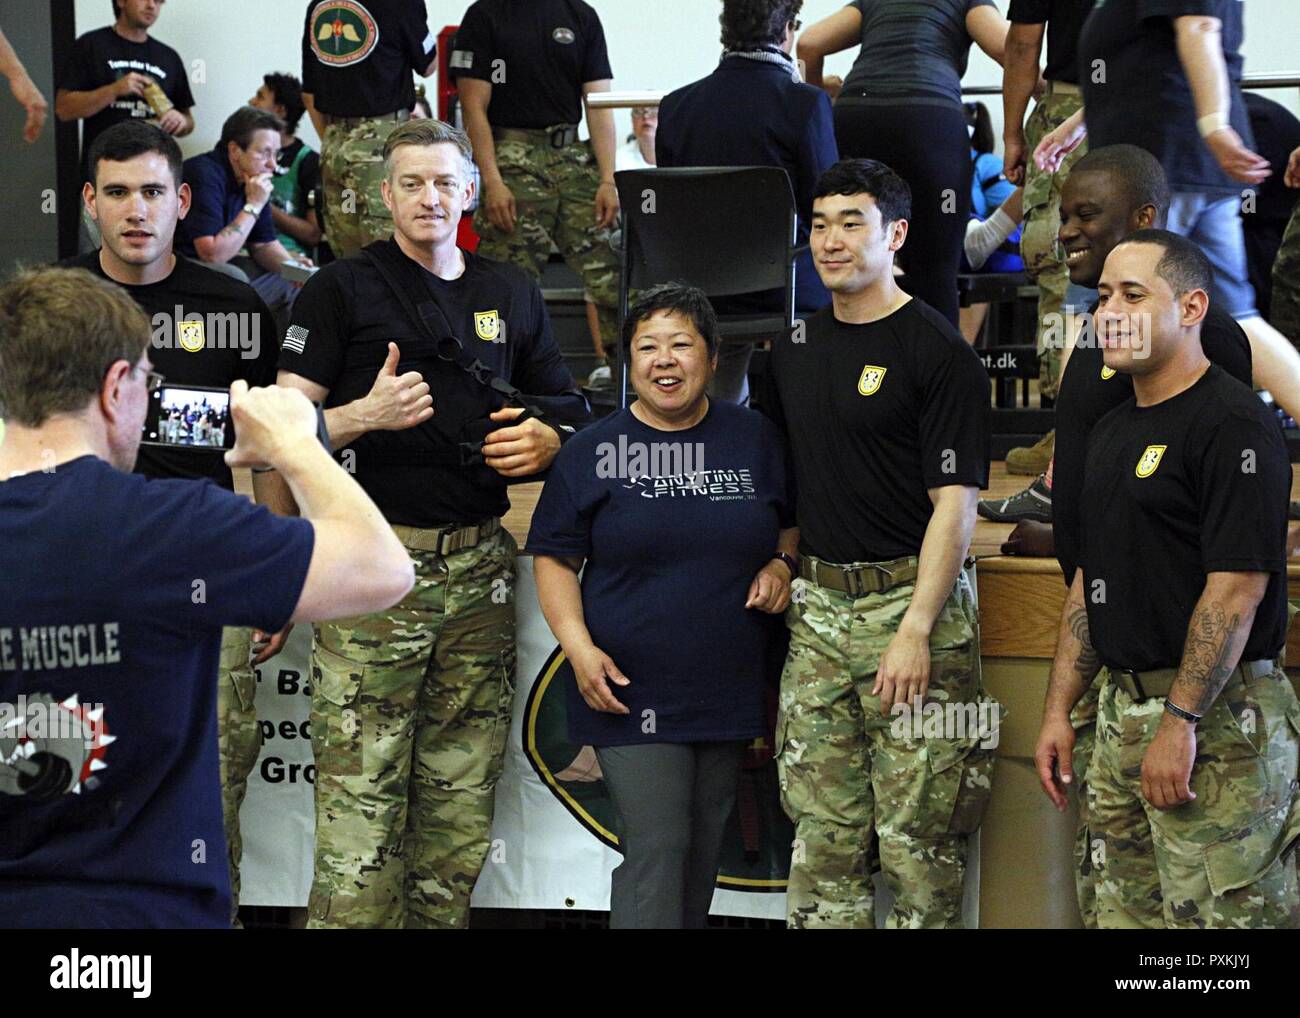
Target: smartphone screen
189,417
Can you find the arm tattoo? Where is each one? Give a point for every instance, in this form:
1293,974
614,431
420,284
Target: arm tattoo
1209,655
232,229
1087,663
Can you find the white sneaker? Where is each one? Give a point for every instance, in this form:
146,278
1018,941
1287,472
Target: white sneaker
599,378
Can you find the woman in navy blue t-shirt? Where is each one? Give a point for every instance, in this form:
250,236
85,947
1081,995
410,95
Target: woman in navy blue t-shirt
681,511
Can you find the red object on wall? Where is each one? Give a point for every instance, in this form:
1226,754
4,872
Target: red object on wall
466,237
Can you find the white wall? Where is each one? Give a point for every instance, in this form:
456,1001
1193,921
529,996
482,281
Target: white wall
653,44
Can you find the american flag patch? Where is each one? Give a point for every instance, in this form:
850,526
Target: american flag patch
295,339
462,58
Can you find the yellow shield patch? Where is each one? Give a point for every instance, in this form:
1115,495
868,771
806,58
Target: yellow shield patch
1150,460
872,376
1107,373
190,334
487,325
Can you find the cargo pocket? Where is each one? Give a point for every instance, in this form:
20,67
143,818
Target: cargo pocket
335,725
1247,856
958,780
505,682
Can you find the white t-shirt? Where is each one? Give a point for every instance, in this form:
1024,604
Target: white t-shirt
629,157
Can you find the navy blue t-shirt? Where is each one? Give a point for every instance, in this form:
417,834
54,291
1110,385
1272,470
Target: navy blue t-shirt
217,199
669,560
113,592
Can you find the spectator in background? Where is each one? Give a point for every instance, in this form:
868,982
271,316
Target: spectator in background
1263,220
1286,269
992,242
120,72
901,105
1173,87
638,153
1058,96
543,187
230,191
296,184
754,110
24,90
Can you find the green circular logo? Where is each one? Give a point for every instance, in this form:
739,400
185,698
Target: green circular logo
342,32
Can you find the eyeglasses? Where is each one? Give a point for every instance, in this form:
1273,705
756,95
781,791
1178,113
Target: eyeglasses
153,381
796,24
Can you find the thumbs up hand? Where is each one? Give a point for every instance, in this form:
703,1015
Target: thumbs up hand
396,402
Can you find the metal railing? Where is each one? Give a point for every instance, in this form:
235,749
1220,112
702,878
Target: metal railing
650,97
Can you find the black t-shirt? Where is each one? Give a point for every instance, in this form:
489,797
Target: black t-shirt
537,53
1196,484
98,613
101,57
876,415
719,497
239,342
911,49
342,323
1064,20
1145,99
1089,391
359,57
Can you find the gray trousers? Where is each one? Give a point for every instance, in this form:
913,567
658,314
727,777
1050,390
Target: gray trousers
731,381
673,801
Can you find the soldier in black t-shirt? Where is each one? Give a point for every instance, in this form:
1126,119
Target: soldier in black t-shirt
403,806
522,71
1112,193
886,410
119,73
1181,598
359,63
208,330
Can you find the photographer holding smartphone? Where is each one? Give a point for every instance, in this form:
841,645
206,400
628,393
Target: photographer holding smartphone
114,589
207,329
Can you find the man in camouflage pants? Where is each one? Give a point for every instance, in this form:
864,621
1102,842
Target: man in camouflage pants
1192,808
1286,269
240,741
411,707
522,79
889,455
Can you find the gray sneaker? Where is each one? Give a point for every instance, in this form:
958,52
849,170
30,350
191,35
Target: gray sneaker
1033,503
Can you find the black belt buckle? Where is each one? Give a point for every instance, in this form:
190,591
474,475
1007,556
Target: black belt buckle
562,136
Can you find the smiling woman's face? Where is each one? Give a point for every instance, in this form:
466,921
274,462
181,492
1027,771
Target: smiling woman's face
670,365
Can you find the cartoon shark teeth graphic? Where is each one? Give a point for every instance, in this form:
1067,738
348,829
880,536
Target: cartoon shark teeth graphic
50,749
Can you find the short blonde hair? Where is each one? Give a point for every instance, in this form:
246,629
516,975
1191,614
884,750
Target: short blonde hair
60,332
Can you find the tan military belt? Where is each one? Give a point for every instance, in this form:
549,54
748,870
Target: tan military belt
446,540
560,136
401,116
1063,88
860,578
1148,685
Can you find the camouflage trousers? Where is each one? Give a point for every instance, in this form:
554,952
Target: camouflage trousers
240,740
867,794
352,170
1038,242
1221,860
1285,309
555,201
409,720
1084,719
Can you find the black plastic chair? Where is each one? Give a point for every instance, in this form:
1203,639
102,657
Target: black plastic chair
728,230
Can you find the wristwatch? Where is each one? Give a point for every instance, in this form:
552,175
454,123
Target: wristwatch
790,564
251,209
